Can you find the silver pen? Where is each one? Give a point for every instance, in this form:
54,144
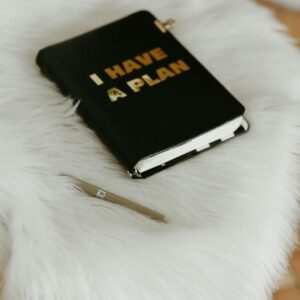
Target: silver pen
98,192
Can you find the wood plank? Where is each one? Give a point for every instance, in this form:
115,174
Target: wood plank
288,17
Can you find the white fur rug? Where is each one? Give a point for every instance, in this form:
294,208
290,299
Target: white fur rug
232,211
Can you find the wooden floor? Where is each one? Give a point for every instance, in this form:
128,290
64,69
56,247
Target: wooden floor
291,291
291,284
290,18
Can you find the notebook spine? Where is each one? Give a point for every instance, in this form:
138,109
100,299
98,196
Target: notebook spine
48,72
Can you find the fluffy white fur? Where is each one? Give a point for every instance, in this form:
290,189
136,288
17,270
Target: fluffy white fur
232,211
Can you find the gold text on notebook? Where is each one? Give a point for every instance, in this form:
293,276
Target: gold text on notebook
138,62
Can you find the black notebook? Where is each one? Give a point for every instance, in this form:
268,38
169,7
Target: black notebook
148,99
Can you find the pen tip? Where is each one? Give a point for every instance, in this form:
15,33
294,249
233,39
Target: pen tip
160,219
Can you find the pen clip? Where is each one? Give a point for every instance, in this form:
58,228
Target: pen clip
164,26
101,194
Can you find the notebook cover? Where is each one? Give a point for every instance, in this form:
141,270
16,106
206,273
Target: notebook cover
139,89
